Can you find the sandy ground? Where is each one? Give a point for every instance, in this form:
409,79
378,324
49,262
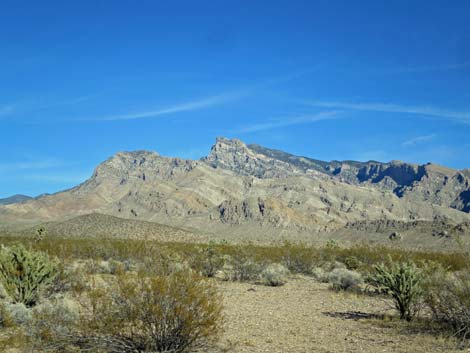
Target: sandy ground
305,316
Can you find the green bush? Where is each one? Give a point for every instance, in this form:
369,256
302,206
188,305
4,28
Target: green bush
136,313
26,274
404,282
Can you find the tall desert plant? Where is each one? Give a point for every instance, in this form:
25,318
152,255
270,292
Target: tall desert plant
26,274
403,281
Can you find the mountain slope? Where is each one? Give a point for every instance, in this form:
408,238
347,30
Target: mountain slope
14,199
248,188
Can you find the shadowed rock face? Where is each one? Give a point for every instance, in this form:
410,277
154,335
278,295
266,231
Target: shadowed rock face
250,185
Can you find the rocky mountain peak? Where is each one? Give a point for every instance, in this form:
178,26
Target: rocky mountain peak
235,155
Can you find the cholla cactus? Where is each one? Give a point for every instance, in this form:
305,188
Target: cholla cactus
403,281
25,274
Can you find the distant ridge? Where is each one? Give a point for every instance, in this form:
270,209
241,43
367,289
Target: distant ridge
241,189
14,199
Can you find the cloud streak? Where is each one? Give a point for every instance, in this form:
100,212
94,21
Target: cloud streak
418,139
297,120
206,102
462,117
182,107
30,165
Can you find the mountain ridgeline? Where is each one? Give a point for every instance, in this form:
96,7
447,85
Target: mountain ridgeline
250,189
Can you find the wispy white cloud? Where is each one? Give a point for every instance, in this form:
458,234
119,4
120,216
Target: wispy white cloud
30,165
205,102
418,139
182,107
463,117
32,106
296,120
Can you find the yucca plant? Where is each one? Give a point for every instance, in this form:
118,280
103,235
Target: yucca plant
403,281
25,274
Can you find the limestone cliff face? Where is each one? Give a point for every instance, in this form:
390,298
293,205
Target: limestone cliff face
239,184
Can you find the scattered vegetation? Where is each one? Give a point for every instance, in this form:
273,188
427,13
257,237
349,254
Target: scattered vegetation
136,296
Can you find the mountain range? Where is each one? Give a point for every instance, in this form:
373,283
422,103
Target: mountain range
248,190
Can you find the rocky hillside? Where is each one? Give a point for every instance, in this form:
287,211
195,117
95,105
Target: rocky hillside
14,199
250,188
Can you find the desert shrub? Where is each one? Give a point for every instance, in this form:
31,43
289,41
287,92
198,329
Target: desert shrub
137,313
26,274
404,282
448,297
343,279
352,263
319,274
70,277
54,325
16,313
298,258
274,275
5,317
208,261
241,269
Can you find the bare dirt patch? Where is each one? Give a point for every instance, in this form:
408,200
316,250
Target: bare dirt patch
305,316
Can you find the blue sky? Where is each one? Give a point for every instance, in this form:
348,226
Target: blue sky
81,80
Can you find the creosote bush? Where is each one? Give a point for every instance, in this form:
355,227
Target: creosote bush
26,274
137,313
404,282
274,275
241,269
448,297
208,261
